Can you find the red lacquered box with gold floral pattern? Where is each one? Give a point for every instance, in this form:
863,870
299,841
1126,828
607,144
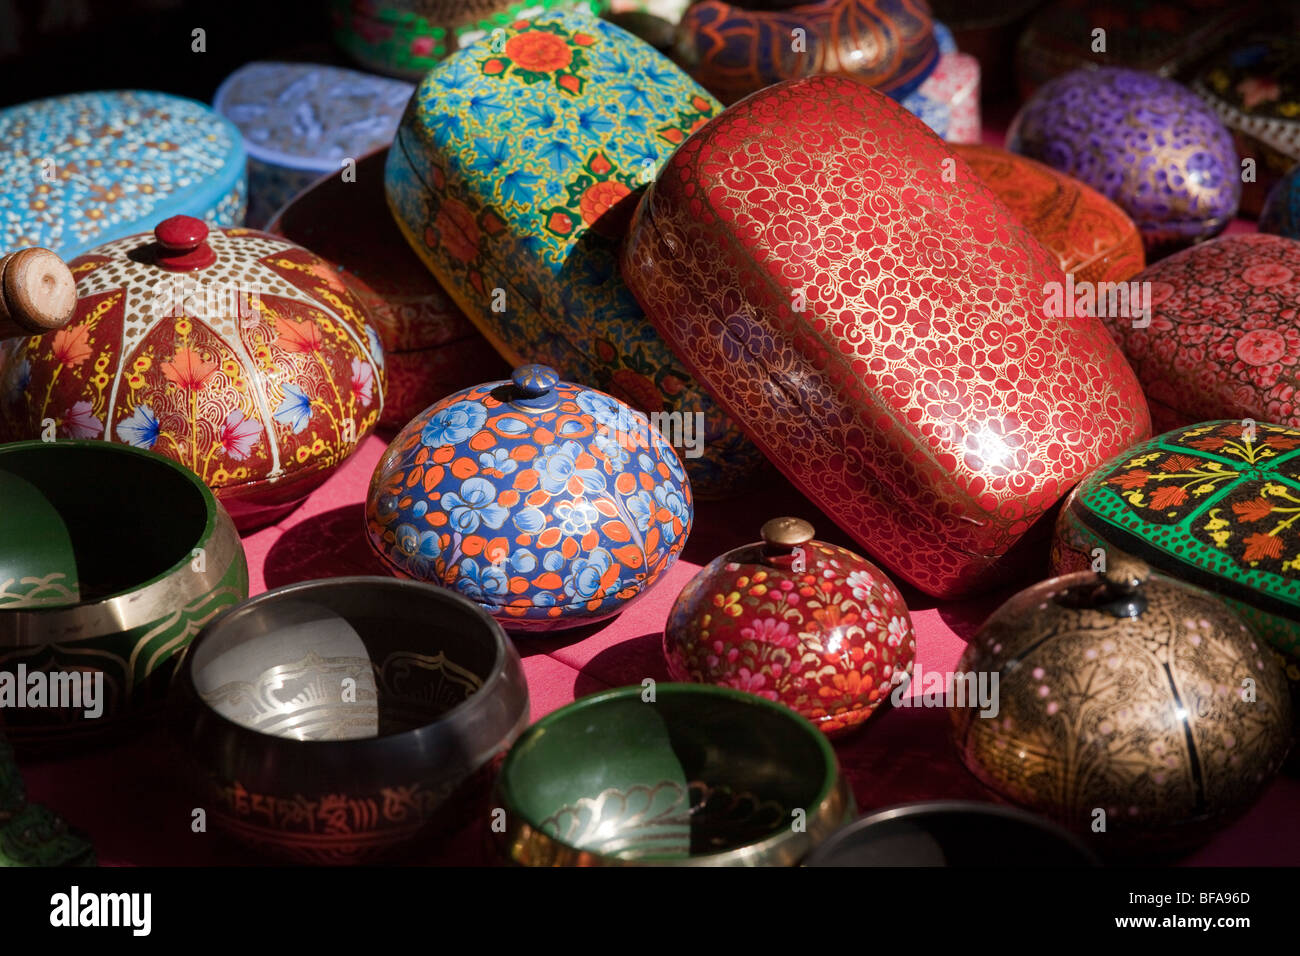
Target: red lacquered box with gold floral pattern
878,332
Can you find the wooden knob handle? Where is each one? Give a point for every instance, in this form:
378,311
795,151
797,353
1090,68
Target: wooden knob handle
37,293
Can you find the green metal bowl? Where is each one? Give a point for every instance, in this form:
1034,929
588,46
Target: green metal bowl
111,560
674,774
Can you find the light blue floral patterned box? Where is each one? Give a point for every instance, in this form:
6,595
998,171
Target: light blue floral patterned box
80,170
304,121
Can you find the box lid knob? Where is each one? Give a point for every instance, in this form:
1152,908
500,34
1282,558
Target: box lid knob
784,538
532,386
183,245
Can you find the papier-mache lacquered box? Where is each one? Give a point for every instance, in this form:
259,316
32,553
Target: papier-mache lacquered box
880,334
513,176
92,167
1093,238
1212,504
948,101
1222,340
430,349
1281,213
1148,144
238,354
1254,87
733,49
988,30
302,121
407,38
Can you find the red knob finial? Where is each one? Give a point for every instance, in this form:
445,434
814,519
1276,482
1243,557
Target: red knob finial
182,244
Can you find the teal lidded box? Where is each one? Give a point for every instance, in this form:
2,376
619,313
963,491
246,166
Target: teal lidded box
513,176
88,168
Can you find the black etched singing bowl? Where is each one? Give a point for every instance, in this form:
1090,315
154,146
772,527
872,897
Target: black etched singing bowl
675,774
956,833
342,720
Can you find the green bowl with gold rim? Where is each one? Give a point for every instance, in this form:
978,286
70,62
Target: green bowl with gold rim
670,775
111,559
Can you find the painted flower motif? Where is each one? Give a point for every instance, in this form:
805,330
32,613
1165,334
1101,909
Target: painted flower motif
1267,274
751,682
851,683
141,429
669,497
363,382
604,410
558,153
72,346
238,435
523,561
453,424
669,457
576,517
586,573
608,446
294,410
80,423
1261,347
642,509
770,630
561,223
861,584
529,520
486,584
518,186
1262,545
497,463
600,198
1131,479
476,503
898,631
558,463
188,370
298,337
376,346
416,550
538,52
1256,509
458,231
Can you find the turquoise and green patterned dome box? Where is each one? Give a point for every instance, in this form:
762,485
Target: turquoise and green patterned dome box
514,175
1215,504
80,170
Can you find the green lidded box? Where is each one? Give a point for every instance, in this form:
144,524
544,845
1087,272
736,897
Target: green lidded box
1216,504
407,38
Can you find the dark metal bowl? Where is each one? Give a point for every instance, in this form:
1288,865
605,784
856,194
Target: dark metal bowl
952,833
341,720
111,559
698,776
